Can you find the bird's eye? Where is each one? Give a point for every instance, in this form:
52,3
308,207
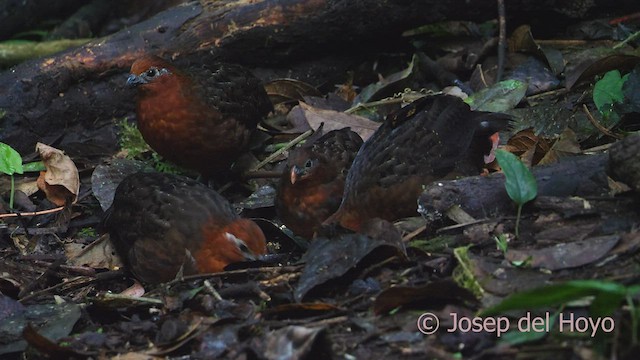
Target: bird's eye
151,72
308,164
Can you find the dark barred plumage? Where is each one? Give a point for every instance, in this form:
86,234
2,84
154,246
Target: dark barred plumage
200,117
161,223
433,138
312,183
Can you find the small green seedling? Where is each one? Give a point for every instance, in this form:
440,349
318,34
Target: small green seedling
502,242
10,163
606,93
133,143
520,184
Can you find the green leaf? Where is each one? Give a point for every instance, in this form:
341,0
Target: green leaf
502,242
499,97
558,294
33,166
520,183
10,160
389,85
608,90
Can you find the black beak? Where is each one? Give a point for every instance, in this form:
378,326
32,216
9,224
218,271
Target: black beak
135,80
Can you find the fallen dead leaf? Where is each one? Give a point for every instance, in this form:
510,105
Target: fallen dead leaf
99,254
60,182
335,120
566,145
566,255
283,90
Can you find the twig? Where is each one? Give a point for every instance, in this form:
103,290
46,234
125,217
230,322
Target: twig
482,77
80,280
562,43
480,221
502,39
133,298
72,269
389,100
32,213
248,271
625,18
329,321
93,244
277,153
597,125
262,174
624,42
414,233
597,149
212,290
49,271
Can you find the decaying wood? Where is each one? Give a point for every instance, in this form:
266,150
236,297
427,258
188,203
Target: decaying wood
485,196
624,161
79,91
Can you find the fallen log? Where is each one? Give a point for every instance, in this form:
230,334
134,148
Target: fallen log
79,91
486,197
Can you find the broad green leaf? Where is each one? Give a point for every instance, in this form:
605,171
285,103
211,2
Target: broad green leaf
608,90
499,97
605,303
558,294
10,160
520,183
389,85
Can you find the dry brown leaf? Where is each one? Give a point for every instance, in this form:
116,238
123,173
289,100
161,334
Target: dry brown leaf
528,146
566,255
283,90
60,182
566,145
346,92
522,141
28,187
334,120
136,290
99,254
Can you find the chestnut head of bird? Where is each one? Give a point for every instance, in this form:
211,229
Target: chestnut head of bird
308,168
240,240
326,159
151,73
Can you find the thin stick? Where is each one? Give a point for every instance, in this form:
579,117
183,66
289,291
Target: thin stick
624,42
502,39
414,233
262,174
33,213
597,125
277,153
